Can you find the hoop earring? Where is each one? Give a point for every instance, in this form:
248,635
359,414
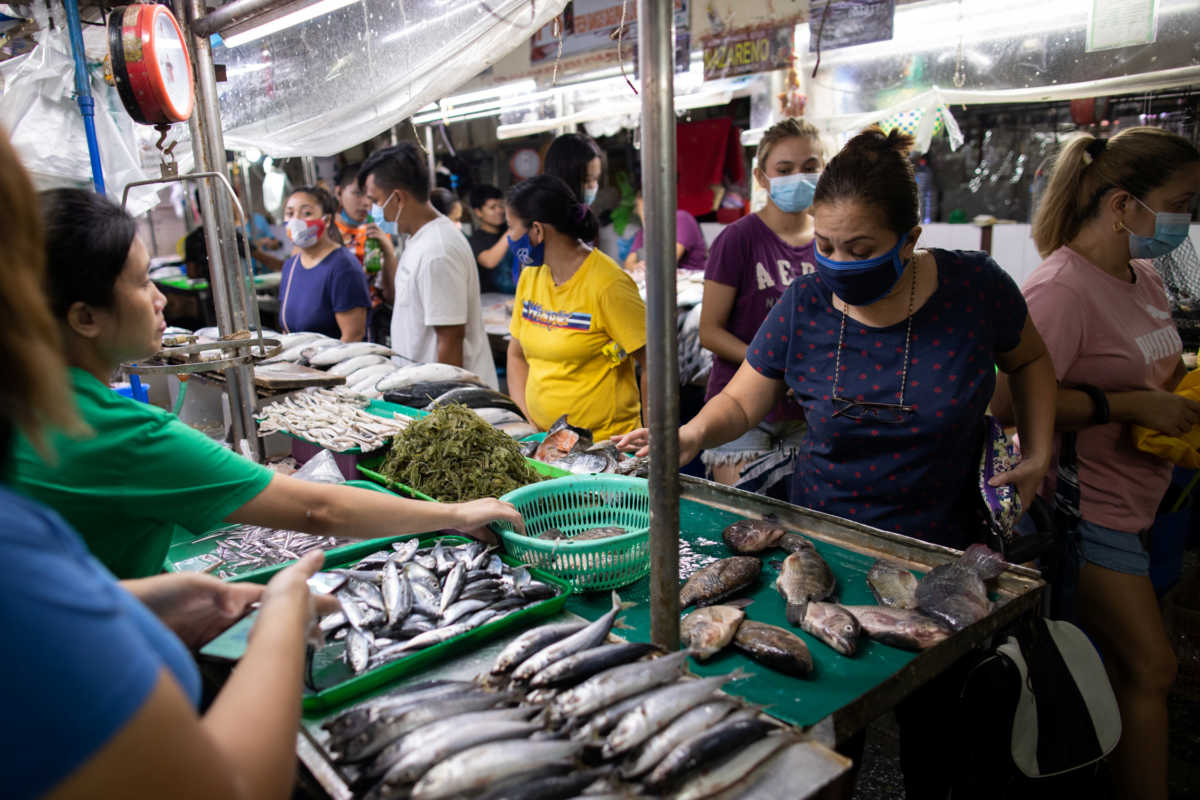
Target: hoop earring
1117,226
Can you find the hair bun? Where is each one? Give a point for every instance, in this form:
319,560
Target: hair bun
873,142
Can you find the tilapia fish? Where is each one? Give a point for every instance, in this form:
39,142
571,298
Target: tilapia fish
805,576
708,630
749,536
955,593
719,580
905,628
779,649
833,625
892,584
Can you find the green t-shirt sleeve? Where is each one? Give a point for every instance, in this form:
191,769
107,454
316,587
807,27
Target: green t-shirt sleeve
179,475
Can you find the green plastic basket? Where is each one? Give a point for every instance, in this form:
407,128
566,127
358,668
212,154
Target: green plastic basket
573,505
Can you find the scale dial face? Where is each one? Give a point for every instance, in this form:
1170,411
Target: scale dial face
150,64
525,163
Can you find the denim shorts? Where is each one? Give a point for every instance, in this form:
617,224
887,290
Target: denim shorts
756,442
1105,547
1113,549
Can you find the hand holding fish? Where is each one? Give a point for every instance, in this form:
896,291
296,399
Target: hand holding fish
289,590
196,607
477,514
638,442
1026,476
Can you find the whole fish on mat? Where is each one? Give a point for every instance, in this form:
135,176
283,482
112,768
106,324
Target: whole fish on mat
892,584
779,649
804,576
955,593
751,536
833,625
708,630
719,580
905,628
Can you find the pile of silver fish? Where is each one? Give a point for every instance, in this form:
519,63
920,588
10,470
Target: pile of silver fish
404,599
331,418
563,712
248,547
911,615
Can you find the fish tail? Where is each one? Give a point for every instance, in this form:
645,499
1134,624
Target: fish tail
739,674
796,611
621,605
983,560
621,625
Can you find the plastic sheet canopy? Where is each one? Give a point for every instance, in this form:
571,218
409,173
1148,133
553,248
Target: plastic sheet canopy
328,84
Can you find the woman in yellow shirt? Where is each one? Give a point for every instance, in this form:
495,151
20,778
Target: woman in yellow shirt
578,324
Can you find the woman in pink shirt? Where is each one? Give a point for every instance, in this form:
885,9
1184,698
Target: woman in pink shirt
1110,208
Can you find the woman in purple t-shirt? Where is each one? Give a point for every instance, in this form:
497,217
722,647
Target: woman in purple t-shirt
691,251
751,264
323,287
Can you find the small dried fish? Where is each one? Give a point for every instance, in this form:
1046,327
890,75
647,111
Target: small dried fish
332,418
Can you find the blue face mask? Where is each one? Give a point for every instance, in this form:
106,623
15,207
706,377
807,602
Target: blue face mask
525,253
589,195
794,193
861,283
1170,230
376,216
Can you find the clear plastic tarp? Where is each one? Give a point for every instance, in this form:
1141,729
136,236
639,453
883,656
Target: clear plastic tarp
327,84
949,52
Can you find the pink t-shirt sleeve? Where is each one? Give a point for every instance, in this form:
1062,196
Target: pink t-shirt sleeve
1057,313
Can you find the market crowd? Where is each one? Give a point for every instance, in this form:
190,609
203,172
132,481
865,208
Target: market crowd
854,371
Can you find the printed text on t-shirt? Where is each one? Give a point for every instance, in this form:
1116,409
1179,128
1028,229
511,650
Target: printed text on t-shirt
533,312
784,269
1160,344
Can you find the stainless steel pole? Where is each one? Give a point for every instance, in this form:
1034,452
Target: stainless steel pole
432,159
226,276
656,65
232,14
309,165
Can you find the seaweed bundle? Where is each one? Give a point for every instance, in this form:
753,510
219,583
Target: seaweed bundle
452,455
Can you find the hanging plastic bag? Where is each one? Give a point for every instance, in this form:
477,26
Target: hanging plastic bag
1182,450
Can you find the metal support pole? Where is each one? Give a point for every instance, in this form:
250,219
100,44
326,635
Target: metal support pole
230,286
309,165
233,14
656,65
430,156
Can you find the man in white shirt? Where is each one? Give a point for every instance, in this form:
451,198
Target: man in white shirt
436,314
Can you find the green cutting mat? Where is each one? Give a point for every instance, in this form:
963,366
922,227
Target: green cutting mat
836,679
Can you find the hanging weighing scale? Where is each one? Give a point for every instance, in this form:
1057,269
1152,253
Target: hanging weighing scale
151,69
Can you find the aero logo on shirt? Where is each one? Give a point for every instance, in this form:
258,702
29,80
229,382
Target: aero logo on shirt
783,267
1160,344
532,312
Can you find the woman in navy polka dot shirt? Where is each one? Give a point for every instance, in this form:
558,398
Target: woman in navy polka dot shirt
890,351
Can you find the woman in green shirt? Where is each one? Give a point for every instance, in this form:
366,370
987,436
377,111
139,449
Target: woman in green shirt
141,472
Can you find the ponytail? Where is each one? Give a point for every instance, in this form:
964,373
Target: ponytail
548,200
1137,160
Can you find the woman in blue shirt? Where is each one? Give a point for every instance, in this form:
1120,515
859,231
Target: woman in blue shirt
99,694
323,287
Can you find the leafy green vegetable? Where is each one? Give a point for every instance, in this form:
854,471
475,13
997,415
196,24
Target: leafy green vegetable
453,455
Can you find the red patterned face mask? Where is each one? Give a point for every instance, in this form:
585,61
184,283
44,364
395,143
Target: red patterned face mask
305,232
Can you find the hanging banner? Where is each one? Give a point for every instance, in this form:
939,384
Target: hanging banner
590,25
844,23
739,52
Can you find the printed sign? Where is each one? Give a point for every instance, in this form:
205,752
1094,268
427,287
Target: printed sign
590,25
1122,23
844,23
745,51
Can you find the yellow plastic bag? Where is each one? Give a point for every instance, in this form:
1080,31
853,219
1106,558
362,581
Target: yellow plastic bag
1185,450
